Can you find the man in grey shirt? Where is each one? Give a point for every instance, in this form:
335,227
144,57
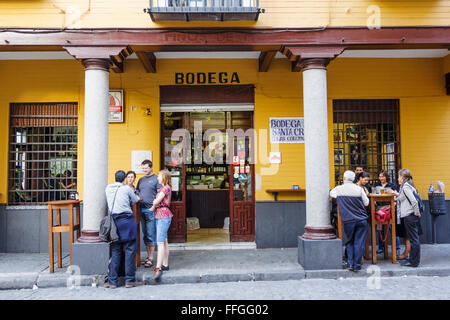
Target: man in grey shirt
119,196
147,189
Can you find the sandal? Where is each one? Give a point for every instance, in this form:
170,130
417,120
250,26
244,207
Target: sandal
148,263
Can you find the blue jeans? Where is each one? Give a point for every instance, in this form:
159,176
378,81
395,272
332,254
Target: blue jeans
117,249
381,244
356,239
162,226
148,227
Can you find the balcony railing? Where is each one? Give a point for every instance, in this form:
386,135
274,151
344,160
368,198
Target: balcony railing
207,10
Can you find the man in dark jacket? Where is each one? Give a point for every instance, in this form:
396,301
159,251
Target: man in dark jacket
351,200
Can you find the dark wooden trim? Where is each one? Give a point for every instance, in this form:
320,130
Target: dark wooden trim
148,60
265,60
206,37
447,83
206,94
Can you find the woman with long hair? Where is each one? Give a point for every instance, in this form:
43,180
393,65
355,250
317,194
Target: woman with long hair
408,208
362,179
163,218
384,181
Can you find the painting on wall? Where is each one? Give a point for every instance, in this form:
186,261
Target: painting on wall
338,157
358,154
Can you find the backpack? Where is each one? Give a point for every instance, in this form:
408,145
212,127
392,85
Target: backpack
419,201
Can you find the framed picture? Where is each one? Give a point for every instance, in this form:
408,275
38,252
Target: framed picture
337,134
358,154
115,106
356,132
338,157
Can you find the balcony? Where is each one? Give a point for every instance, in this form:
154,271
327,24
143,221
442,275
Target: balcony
204,10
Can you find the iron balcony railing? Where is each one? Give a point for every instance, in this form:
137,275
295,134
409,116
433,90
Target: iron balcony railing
204,10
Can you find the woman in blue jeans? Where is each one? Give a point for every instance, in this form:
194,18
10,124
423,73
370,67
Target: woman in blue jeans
163,218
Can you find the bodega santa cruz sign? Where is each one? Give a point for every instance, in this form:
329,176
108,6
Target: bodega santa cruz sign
207,78
287,130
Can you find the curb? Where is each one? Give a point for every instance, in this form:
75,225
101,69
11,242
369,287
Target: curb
11,281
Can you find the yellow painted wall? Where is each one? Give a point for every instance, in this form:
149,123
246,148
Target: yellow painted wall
418,83
279,13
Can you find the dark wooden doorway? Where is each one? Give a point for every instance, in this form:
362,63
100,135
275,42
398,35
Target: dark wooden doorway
242,202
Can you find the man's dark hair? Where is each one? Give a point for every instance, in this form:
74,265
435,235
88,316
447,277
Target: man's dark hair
68,173
120,176
146,161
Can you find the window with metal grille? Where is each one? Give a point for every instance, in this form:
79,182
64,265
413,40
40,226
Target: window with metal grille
366,133
43,143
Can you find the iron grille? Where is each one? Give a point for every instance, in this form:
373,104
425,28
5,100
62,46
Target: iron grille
43,140
366,133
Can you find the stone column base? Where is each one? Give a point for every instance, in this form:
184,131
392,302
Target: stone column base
320,254
91,258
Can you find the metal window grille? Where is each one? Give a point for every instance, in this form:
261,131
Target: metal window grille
367,134
204,3
43,143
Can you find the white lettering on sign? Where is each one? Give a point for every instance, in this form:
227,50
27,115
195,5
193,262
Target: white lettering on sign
287,130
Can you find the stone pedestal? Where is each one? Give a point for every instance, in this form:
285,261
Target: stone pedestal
91,258
320,254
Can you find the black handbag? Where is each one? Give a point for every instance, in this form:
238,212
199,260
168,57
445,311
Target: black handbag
108,229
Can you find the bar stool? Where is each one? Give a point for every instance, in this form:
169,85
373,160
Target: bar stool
58,227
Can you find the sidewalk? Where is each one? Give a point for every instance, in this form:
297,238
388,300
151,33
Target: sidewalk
25,271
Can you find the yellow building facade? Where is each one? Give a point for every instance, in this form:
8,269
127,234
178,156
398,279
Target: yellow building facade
360,51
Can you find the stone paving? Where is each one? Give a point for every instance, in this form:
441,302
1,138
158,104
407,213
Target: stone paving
23,271
392,288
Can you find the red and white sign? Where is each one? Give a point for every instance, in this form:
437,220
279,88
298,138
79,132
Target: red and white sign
115,107
275,157
235,161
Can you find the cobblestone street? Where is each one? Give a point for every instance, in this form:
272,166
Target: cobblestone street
404,288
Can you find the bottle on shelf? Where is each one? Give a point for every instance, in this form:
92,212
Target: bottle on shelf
431,189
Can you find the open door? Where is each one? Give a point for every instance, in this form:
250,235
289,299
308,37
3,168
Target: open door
242,189
172,156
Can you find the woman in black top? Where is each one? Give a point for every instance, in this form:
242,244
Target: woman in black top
384,181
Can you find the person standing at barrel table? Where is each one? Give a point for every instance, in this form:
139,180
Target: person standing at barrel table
163,218
409,210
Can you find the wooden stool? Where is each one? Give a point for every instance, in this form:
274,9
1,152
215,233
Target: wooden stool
58,227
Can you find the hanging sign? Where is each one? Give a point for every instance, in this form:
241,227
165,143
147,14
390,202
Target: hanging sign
235,160
115,107
287,130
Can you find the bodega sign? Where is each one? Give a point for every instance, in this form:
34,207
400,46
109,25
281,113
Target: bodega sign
287,130
206,78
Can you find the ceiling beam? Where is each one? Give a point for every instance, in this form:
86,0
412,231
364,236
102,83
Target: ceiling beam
297,54
229,37
148,60
265,60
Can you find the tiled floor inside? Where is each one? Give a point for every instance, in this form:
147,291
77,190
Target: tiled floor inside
208,235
